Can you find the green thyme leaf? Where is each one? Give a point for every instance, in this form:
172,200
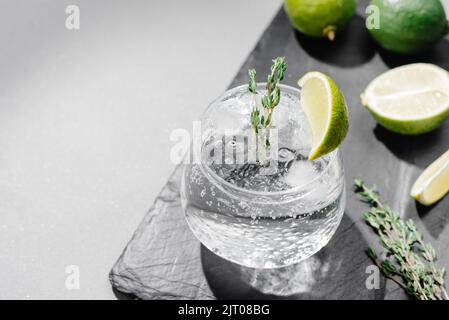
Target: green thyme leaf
412,261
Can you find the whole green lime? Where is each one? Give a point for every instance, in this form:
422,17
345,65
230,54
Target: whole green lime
408,26
320,18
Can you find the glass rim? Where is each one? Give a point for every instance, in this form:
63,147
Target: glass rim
258,84
219,182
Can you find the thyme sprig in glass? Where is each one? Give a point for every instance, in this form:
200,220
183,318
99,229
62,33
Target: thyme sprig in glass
410,262
255,113
269,100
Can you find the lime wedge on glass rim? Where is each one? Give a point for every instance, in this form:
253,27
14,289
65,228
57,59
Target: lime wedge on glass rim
326,112
411,99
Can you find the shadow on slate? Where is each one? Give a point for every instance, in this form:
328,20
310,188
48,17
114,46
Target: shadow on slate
353,46
418,150
163,260
338,271
437,55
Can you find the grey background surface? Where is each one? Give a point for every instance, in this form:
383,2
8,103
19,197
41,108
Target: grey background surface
85,119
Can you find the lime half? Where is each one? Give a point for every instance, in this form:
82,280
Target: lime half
411,99
433,183
326,111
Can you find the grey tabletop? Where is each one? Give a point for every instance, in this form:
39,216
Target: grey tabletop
85,124
164,260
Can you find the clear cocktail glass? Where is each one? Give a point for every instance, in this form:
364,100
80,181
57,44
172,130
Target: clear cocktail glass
256,205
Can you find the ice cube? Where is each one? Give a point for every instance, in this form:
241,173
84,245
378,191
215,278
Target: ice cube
301,172
230,116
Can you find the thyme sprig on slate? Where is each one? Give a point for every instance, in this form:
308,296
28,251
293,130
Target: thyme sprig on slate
410,262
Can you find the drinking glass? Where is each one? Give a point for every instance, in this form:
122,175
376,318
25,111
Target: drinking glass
265,213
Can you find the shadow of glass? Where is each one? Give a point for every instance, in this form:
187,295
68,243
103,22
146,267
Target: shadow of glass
353,46
338,271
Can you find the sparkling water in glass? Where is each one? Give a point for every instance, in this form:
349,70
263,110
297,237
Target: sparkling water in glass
261,207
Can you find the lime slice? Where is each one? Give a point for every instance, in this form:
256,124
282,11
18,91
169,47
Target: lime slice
433,183
326,111
411,99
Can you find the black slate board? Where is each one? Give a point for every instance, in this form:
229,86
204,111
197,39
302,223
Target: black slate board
164,260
